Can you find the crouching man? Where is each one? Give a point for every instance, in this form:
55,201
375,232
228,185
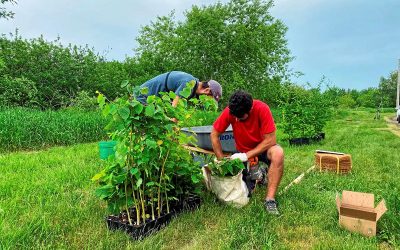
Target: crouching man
254,133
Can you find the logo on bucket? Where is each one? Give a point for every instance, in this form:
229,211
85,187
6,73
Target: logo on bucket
226,137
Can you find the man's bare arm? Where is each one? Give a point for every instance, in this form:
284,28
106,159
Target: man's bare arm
175,101
216,143
269,141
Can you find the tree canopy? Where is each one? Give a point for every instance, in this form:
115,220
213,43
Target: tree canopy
4,13
238,44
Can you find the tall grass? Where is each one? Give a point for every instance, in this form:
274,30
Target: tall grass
47,200
22,128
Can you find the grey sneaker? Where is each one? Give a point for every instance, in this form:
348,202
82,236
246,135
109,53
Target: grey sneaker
272,207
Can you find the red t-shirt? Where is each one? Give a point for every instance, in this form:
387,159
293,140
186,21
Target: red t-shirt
250,132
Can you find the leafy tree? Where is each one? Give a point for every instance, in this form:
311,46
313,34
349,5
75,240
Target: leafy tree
388,88
58,72
238,43
304,111
369,98
333,94
4,13
347,101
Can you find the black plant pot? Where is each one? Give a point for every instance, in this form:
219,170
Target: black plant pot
306,141
138,232
299,141
319,137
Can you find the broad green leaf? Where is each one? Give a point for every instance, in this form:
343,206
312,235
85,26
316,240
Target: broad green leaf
172,95
151,143
139,182
185,92
119,179
151,99
166,98
134,171
195,179
169,127
144,91
106,110
124,112
137,107
150,110
98,176
101,100
105,191
191,84
230,168
113,109
149,184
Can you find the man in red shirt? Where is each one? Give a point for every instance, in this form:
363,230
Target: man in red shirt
254,133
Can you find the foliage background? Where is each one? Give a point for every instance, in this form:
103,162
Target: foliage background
239,43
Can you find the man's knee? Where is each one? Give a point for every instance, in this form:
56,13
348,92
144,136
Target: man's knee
277,155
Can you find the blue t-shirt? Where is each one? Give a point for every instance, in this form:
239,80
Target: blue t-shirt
177,81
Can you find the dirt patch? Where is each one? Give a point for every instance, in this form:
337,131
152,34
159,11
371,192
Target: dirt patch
393,126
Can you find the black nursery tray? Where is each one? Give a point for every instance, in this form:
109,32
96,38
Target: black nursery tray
152,226
306,141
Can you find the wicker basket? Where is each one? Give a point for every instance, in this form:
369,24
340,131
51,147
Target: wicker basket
341,164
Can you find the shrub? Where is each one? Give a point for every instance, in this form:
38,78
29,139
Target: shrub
18,92
304,112
83,101
58,72
150,168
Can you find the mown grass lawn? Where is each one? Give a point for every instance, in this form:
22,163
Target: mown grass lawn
47,200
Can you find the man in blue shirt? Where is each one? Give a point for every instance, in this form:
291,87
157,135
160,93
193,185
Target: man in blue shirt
176,81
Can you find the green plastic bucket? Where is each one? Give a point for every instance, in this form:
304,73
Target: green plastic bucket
106,149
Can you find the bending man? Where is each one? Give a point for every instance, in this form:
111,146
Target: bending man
254,133
176,81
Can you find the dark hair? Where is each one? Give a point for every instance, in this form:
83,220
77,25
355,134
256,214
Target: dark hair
205,85
240,103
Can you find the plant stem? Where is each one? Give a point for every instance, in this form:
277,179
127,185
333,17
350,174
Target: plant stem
130,157
166,197
159,186
142,204
152,207
126,204
136,206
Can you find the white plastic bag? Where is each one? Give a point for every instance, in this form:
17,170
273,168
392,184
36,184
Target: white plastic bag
230,189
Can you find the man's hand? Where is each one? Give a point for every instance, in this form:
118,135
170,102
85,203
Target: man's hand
241,156
216,161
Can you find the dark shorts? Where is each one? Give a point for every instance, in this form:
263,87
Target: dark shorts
263,158
246,177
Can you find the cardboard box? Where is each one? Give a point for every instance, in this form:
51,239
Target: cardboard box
357,212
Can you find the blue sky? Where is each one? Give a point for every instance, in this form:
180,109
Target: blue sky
353,43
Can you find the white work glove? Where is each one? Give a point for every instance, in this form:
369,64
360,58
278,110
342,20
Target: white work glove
241,156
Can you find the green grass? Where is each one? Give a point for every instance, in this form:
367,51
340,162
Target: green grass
47,200
28,129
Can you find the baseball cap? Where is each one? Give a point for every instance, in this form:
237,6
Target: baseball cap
216,89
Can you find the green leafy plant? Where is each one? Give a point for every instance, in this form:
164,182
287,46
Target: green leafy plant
226,167
304,112
150,167
83,101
